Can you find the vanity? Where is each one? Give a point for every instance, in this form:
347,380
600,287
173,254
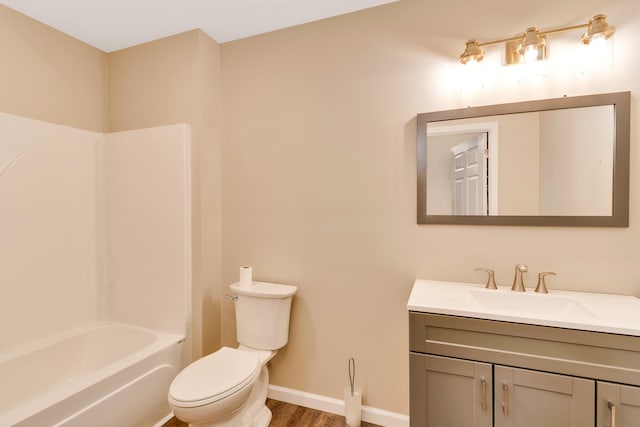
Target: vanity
493,357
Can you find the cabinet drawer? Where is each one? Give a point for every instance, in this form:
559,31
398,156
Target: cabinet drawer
586,354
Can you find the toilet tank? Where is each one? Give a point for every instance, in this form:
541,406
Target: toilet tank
262,314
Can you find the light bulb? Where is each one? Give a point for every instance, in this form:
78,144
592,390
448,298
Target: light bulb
472,63
598,41
530,54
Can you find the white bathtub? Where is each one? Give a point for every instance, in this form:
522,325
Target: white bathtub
109,374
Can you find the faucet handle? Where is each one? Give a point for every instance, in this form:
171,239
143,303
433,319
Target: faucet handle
518,285
541,288
491,282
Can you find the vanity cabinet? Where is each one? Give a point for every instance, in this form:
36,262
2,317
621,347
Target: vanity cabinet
526,398
452,392
618,405
480,373
456,392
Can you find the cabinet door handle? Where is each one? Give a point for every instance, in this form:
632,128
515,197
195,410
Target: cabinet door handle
505,405
484,394
612,408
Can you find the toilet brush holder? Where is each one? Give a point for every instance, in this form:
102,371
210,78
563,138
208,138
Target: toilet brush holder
352,398
353,406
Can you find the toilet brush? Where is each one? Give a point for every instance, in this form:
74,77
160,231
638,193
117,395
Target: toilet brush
352,398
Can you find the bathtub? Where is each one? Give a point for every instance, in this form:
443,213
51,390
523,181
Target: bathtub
108,374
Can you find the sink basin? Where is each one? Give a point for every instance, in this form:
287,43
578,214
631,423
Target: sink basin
573,310
509,301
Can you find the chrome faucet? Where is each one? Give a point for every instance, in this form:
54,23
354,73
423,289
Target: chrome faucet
518,285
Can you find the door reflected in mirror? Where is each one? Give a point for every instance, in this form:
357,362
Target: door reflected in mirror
553,162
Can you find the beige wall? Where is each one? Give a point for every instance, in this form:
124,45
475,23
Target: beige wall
50,76
319,178
176,80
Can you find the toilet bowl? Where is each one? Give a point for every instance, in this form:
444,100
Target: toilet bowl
195,398
229,387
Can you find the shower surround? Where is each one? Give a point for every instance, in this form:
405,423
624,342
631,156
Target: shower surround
96,230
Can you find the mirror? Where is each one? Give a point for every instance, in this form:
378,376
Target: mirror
554,162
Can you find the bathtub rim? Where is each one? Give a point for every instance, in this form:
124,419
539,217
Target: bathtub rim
14,353
163,340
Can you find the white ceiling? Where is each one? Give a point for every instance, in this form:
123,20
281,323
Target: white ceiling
115,24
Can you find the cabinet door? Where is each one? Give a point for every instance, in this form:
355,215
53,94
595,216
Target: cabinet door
448,392
527,398
618,405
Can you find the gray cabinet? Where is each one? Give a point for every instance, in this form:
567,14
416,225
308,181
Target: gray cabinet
527,398
460,393
471,372
453,392
618,405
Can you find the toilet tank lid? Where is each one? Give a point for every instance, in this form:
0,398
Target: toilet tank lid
264,290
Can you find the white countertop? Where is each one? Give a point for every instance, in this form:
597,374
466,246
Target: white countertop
618,314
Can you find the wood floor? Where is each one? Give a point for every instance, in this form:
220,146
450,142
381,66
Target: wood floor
288,415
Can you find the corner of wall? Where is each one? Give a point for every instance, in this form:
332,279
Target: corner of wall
54,77
177,80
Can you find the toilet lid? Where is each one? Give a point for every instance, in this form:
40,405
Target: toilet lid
214,377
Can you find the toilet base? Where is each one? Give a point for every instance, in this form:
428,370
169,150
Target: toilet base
262,419
254,413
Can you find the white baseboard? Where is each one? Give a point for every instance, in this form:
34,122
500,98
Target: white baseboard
164,420
336,406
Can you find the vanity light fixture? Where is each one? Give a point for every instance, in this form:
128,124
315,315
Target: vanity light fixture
532,44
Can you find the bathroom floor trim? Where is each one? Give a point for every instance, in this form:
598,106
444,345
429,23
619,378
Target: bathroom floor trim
336,406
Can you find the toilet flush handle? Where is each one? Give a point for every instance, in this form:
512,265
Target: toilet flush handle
231,297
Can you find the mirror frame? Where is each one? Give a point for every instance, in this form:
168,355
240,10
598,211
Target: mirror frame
620,197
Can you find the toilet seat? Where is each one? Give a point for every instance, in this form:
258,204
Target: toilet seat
214,378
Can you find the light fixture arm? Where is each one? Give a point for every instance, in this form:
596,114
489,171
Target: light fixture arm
542,33
563,29
495,42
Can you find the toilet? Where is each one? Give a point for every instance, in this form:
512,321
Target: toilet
229,387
